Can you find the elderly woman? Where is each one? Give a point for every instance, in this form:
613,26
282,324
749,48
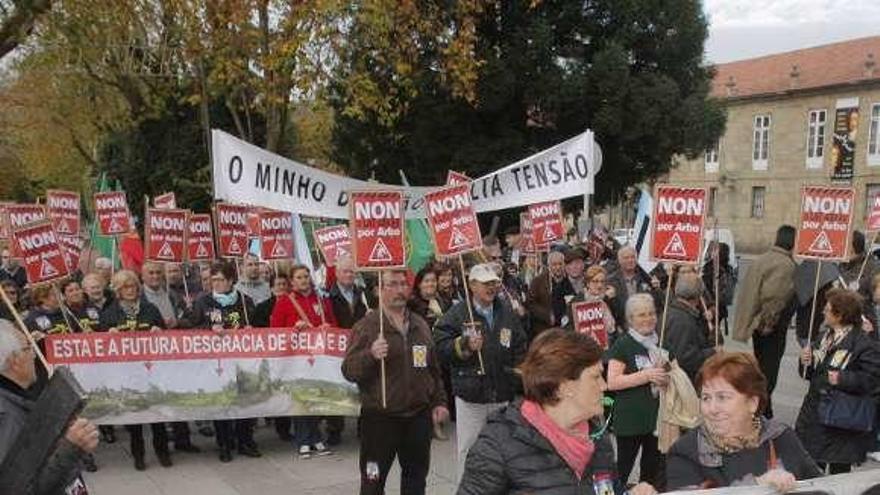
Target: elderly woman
842,360
130,312
736,445
543,444
84,316
636,371
221,307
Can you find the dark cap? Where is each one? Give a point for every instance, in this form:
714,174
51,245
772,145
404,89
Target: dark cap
574,254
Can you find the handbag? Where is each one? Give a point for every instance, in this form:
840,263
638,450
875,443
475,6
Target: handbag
838,409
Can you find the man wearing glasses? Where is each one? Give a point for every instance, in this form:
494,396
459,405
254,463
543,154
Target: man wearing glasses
17,373
481,355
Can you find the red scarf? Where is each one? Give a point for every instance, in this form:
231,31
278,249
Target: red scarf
576,450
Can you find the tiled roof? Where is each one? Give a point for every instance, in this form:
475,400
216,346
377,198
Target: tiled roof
846,62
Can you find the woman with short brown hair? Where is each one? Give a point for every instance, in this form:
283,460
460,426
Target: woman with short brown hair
544,444
736,445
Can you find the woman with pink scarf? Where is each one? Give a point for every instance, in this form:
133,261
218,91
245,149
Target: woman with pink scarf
553,441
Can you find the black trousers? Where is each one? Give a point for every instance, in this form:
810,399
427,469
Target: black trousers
652,464
383,438
136,435
235,432
769,350
835,468
180,433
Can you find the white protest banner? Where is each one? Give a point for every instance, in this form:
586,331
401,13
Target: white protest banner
247,174
147,377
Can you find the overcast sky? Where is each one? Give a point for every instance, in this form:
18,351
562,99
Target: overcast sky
741,29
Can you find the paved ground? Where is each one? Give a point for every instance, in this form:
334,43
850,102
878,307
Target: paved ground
277,472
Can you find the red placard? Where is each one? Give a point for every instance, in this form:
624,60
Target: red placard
334,243
276,235
71,247
547,223
825,224
377,229
111,210
62,207
37,244
589,318
167,201
253,222
679,216
232,229
199,239
22,214
453,220
165,235
527,240
873,222
454,178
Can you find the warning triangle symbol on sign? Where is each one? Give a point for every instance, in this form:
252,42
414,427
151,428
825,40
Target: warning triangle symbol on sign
675,247
114,226
821,244
380,252
457,239
47,270
166,252
549,235
63,227
340,252
234,247
202,251
278,251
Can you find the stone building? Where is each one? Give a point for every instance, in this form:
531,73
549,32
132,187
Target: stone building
810,116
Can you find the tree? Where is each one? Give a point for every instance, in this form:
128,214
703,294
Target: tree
17,21
630,70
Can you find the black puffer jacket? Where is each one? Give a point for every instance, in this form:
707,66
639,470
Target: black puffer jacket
860,377
504,346
686,338
510,456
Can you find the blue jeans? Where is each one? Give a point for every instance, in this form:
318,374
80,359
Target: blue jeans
306,431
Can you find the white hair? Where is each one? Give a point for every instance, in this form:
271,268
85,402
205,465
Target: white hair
635,301
9,343
554,255
103,263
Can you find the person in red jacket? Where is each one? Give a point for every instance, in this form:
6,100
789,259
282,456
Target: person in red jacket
303,308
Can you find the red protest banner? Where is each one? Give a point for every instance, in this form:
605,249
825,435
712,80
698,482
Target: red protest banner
62,208
589,318
454,178
167,201
547,223
276,235
253,222
111,210
22,214
200,239
71,247
527,240
377,229
825,222
453,220
232,229
679,215
38,245
165,235
334,242
873,222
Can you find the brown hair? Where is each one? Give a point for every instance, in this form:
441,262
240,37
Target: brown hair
40,293
556,355
847,305
740,370
593,271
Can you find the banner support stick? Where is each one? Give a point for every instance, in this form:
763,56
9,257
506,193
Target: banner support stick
112,257
867,254
24,329
247,320
185,284
670,280
382,336
65,310
467,298
813,311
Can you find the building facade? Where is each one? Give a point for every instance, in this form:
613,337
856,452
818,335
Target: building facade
799,118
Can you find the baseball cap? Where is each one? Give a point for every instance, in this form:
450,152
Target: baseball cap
483,273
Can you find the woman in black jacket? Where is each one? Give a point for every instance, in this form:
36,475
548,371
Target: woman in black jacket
843,359
129,312
424,300
221,308
546,443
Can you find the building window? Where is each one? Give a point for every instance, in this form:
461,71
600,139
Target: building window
815,138
871,193
711,157
713,198
758,201
761,142
874,136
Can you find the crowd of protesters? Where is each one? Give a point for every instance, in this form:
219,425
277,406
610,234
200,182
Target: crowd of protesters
538,407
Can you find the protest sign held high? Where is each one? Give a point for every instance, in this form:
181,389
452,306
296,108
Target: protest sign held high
71,246
679,215
454,178
111,210
334,242
873,221
37,244
22,214
276,235
232,229
825,222
63,208
547,224
453,221
165,234
167,201
200,239
589,318
377,229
